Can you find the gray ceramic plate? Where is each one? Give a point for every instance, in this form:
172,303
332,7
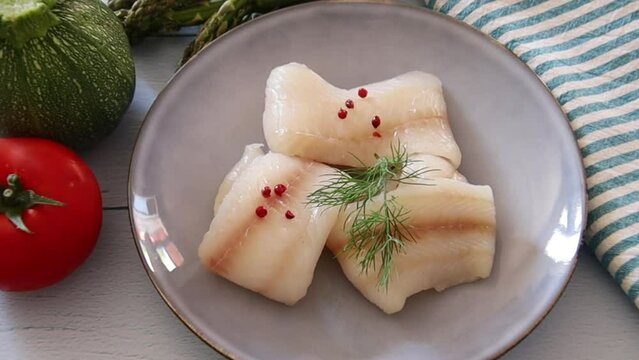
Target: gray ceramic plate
513,137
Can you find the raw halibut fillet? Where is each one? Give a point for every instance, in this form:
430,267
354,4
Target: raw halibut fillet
300,117
251,152
273,255
454,226
435,166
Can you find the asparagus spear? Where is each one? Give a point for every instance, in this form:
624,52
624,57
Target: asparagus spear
143,17
120,4
231,14
121,14
195,13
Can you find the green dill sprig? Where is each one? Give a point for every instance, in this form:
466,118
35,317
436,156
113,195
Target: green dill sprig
361,183
379,232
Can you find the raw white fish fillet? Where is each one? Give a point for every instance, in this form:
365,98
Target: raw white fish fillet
300,117
454,227
435,166
273,255
251,152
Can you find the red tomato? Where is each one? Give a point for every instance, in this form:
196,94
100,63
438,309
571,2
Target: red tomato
61,237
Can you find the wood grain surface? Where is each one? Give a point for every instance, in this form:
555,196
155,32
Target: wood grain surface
108,309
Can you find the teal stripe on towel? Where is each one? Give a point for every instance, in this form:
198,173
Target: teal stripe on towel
612,162
612,228
574,42
572,24
633,292
507,10
529,21
593,73
608,185
606,123
608,142
471,7
625,269
612,205
603,105
448,5
611,85
588,55
618,249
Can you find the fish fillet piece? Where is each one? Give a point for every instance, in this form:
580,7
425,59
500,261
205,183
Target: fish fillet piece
273,255
251,152
431,167
300,117
454,228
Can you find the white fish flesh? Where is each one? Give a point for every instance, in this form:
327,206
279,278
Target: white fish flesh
454,228
251,152
301,117
271,255
430,167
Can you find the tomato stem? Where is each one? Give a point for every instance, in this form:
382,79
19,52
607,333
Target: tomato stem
8,194
15,200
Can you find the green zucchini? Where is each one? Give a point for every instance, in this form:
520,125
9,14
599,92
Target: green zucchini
66,70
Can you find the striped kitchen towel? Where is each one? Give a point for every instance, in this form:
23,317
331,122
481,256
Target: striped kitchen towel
587,53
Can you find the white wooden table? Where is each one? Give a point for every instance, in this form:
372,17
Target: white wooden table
108,309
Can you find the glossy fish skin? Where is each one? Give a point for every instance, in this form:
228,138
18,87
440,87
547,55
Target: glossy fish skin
273,255
454,227
300,117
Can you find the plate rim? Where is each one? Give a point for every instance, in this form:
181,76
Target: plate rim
364,3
